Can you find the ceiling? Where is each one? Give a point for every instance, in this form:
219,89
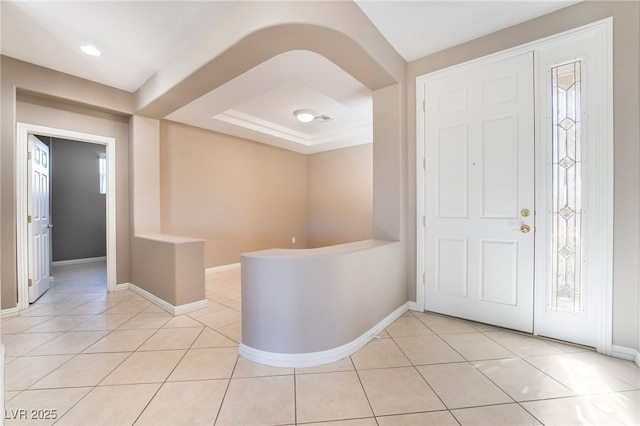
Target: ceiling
138,37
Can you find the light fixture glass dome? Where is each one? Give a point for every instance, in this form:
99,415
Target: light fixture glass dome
90,50
304,115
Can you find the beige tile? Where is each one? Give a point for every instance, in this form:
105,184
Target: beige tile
20,344
212,307
146,320
212,339
61,323
434,418
172,338
129,307
380,353
145,367
92,308
235,304
21,324
259,401
104,322
9,395
246,368
181,321
221,318
621,369
427,350
203,364
72,342
330,396
367,421
48,405
82,370
185,403
447,380
495,415
520,380
476,346
232,331
397,391
408,326
568,411
154,308
446,325
121,341
110,405
55,309
345,364
622,406
522,345
23,372
577,375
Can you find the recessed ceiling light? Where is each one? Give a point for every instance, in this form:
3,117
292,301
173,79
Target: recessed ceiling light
304,115
90,50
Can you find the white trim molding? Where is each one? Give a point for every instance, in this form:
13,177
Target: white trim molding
22,243
222,268
312,359
173,310
10,312
625,353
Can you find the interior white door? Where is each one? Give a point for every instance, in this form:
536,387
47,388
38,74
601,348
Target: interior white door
40,231
479,191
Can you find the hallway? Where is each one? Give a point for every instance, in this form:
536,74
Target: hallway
82,356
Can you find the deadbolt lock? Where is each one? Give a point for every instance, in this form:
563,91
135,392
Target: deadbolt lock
525,212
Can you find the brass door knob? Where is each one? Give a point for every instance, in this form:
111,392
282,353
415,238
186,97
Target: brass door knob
525,229
525,212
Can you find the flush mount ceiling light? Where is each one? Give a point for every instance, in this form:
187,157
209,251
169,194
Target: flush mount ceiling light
305,115
90,50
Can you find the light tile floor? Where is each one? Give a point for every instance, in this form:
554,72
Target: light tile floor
116,359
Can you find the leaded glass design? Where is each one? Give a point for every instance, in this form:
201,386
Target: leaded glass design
566,251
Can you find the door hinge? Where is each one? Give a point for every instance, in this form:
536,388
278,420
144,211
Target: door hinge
424,221
424,163
424,106
424,278
30,282
28,218
29,155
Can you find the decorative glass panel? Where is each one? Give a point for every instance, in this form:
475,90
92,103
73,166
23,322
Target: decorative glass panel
102,161
566,250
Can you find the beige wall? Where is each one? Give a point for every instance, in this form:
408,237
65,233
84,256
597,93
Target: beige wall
340,196
237,195
626,45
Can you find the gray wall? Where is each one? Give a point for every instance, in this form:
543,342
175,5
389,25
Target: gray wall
78,210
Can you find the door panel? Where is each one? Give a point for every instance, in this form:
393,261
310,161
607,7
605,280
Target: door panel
479,176
40,252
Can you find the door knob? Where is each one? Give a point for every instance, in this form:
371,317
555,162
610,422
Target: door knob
525,229
525,212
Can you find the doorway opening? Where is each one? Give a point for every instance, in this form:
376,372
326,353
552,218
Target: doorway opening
23,202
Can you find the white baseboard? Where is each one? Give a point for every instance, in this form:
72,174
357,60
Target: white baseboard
628,354
10,312
413,306
173,310
322,357
123,286
78,261
222,267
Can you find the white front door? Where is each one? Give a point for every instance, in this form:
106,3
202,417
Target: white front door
40,232
479,191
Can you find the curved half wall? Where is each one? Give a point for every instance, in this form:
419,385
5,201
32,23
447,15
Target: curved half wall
308,307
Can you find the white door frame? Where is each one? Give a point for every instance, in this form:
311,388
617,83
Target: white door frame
22,252
603,190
